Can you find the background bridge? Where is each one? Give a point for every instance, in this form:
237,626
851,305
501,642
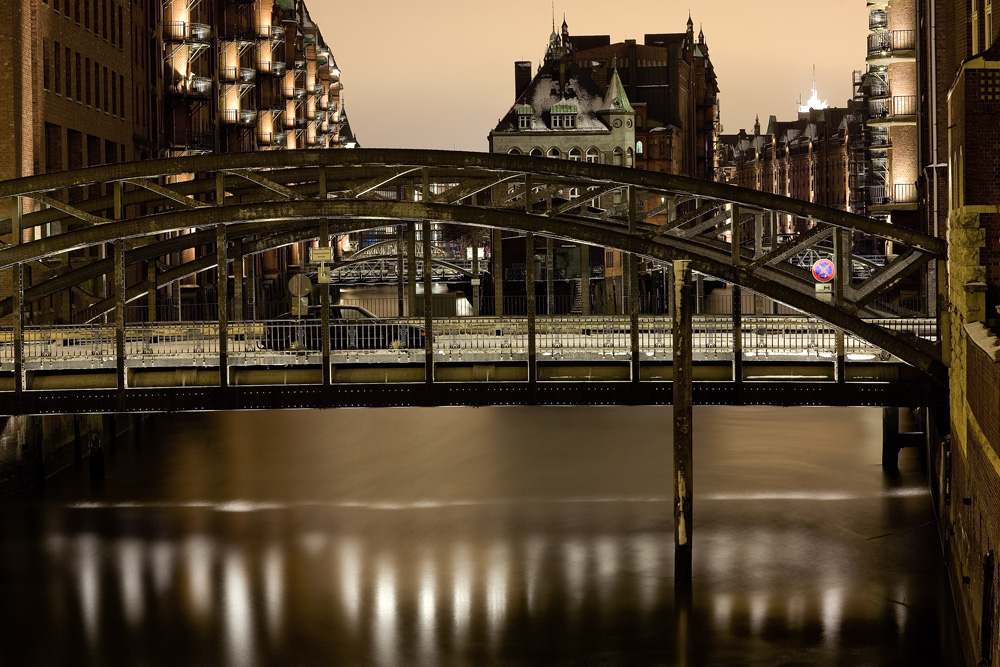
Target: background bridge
142,228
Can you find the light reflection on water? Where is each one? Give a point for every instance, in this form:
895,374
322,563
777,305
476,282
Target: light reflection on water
477,537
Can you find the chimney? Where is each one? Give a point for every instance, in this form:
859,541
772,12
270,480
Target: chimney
522,77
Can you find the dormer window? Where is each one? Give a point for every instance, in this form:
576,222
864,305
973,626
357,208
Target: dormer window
563,116
524,113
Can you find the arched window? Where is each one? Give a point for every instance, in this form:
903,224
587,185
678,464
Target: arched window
536,152
593,155
554,152
514,151
618,156
576,155
574,193
638,148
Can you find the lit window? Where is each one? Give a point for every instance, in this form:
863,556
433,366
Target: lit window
638,148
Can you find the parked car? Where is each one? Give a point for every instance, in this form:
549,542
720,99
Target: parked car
351,328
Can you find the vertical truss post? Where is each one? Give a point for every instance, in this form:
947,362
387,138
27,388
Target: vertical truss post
18,286
529,286
475,275
584,279
497,272
119,273
529,283
324,294
411,255
400,271
324,301
737,306
252,295
683,419
428,287
238,281
633,288
550,278
151,294
222,292
844,264
118,253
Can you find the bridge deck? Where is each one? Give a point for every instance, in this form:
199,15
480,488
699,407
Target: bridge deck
785,360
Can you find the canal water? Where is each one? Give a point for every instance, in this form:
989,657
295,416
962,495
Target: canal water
491,536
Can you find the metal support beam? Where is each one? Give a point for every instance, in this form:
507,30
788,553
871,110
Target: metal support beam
222,292
497,251
324,300
400,271
17,283
475,276
411,268
683,417
633,309
550,279
584,279
738,339
428,303
238,278
529,286
119,289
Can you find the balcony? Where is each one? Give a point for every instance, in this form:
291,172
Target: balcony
237,75
197,86
237,33
892,45
878,19
298,93
900,195
275,67
272,33
272,138
900,109
182,31
244,117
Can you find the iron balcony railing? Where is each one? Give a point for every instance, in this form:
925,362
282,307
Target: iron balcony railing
885,43
238,75
183,31
276,67
274,33
272,138
888,107
888,195
238,116
878,19
237,33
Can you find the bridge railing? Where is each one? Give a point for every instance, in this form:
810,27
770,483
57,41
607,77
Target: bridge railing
291,342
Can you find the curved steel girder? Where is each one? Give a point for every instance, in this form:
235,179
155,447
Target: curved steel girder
360,214
537,167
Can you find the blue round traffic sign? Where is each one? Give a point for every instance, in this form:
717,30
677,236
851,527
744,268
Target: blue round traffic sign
824,270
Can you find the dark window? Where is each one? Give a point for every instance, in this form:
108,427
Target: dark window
105,107
57,57
120,23
79,79
104,19
45,64
76,12
88,81
53,147
55,5
114,95
69,75
121,96
97,85
86,14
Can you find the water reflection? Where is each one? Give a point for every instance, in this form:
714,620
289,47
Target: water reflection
338,557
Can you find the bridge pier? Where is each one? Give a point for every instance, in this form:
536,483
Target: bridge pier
893,439
683,400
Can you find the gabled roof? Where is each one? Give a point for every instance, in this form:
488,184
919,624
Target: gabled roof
545,91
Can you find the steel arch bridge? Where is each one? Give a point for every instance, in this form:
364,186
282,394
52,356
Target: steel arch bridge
260,201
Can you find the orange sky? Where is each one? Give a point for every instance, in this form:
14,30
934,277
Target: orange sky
440,73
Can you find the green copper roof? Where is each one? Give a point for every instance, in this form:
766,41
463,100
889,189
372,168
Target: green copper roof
616,99
564,108
524,110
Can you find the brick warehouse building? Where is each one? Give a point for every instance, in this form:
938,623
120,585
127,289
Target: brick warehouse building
105,81
665,119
